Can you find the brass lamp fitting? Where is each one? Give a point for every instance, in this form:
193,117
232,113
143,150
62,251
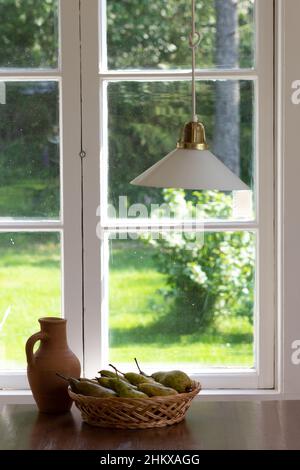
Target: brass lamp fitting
193,137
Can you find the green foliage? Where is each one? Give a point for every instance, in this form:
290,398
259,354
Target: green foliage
145,120
29,151
29,33
210,277
154,34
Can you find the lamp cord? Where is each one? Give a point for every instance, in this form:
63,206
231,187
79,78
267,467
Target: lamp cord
194,40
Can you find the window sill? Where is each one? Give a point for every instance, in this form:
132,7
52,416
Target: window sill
25,396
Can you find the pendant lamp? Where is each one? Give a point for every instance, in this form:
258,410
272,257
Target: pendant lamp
191,165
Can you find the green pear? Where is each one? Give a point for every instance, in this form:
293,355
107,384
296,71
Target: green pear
108,382
158,376
176,379
93,381
136,379
126,390
156,390
73,384
110,374
107,373
104,381
90,389
132,377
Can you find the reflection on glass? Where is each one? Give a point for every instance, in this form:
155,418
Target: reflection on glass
143,34
29,34
182,299
30,289
29,150
145,120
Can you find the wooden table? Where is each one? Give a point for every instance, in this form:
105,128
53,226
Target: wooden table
208,425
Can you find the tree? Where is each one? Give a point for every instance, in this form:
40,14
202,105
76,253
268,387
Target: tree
226,142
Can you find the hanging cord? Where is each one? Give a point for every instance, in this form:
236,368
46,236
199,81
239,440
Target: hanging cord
194,41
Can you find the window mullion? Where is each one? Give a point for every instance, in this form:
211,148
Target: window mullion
124,75
26,74
139,226
70,124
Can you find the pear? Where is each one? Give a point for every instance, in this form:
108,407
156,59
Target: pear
73,384
132,377
125,390
107,373
88,388
176,379
137,379
110,374
93,381
158,376
156,390
104,381
108,382
93,390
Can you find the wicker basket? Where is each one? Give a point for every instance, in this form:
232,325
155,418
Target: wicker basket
134,413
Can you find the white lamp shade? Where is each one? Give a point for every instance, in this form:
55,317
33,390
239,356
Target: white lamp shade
190,169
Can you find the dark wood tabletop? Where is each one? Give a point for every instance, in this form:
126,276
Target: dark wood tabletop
208,425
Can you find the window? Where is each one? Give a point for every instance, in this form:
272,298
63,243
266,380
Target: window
204,308
40,228
172,290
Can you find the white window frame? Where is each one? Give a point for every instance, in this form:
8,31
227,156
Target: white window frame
96,260
82,118
69,224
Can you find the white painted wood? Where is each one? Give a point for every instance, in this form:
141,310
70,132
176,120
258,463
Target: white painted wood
71,172
91,186
188,225
28,75
70,224
279,332
29,225
265,282
178,75
289,121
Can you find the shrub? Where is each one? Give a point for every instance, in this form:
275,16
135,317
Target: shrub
208,279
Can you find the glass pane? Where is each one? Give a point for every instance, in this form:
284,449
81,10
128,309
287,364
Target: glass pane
29,150
30,280
154,35
145,121
182,299
29,34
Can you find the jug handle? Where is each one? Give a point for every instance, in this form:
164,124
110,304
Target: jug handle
30,344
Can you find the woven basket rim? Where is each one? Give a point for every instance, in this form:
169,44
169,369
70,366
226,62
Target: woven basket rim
167,398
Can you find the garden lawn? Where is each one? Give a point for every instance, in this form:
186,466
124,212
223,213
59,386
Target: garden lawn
30,289
137,304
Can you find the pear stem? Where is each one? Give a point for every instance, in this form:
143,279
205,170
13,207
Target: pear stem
62,376
137,364
117,371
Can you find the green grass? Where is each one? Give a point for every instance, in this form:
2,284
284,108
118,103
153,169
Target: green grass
30,287
37,197
138,325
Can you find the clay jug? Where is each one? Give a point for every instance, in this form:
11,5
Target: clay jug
53,355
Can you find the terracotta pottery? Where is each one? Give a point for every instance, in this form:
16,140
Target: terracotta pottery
53,355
